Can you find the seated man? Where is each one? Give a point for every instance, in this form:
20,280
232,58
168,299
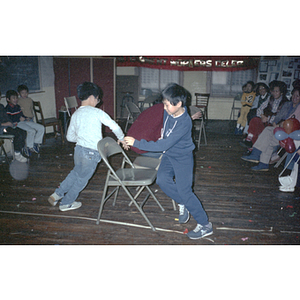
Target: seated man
7,127
35,132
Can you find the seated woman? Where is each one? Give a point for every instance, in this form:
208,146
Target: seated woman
264,146
267,111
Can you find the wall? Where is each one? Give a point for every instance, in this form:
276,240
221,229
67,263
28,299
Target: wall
195,82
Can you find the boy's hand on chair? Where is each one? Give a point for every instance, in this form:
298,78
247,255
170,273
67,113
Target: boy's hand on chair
129,140
124,145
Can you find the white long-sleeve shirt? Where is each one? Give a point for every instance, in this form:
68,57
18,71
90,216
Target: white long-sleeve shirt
86,127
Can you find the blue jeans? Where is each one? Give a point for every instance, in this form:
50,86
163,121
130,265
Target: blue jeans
180,189
85,161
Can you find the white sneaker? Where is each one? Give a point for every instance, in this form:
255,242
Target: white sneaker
19,157
53,199
71,206
286,189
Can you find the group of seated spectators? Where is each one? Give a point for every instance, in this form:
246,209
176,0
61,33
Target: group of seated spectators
16,119
269,109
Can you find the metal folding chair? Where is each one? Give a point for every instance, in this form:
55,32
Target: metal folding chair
133,113
125,177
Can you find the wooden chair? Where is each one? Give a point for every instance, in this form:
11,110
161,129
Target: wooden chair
48,122
70,102
125,177
202,102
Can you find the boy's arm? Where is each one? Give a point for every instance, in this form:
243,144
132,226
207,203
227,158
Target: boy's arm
116,129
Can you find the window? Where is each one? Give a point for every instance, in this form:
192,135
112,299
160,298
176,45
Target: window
156,79
229,84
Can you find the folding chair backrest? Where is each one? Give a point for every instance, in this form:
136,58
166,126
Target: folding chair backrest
132,108
70,102
108,147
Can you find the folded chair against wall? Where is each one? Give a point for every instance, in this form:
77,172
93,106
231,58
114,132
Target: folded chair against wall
10,138
133,113
48,122
70,103
199,127
125,177
202,102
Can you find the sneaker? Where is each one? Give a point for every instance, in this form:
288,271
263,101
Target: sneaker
26,152
261,167
53,199
35,148
71,206
200,231
19,157
250,158
184,214
286,189
246,144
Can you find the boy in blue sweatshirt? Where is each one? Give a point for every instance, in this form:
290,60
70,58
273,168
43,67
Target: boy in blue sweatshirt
175,173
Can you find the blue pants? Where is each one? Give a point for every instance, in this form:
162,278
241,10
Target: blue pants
86,161
180,189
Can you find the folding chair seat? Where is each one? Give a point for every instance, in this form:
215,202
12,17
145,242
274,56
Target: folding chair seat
146,162
133,113
125,177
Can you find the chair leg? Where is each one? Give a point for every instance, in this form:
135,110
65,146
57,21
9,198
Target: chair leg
138,207
5,154
174,204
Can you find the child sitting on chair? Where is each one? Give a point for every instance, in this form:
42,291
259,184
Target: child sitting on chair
25,102
177,160
86,131
35,132
247,101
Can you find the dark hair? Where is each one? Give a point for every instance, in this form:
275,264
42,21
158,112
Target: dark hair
88,89
264,85
251,82
175,93
11,93
276,83
22,87
296,88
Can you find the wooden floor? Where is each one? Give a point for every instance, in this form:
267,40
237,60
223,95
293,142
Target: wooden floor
245,207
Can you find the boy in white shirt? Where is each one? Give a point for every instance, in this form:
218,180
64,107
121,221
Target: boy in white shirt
86,131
